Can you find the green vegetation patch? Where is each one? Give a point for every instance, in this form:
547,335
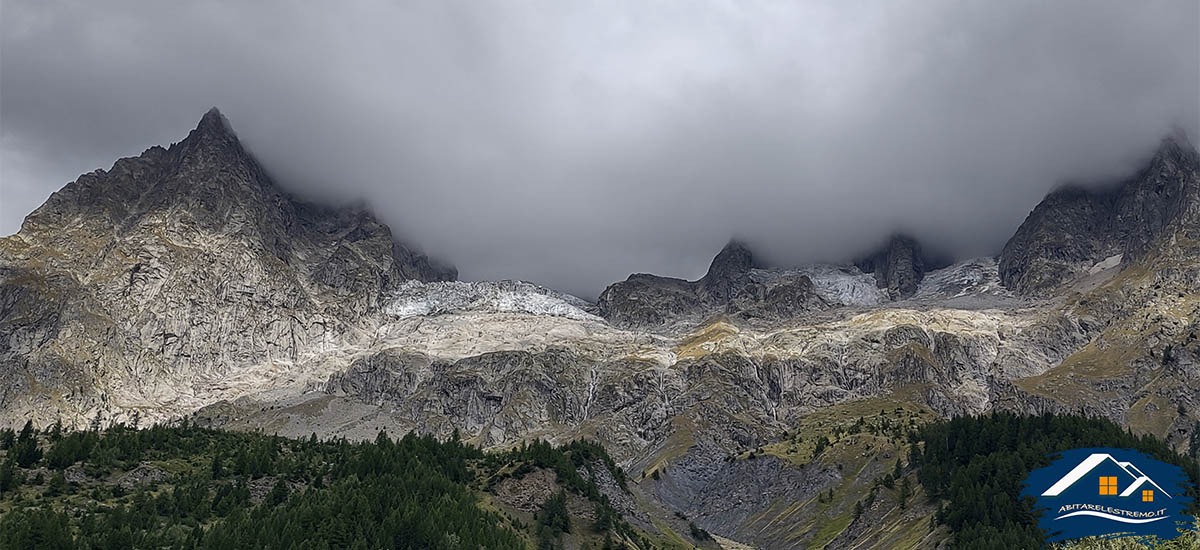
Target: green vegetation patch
184,487
975,466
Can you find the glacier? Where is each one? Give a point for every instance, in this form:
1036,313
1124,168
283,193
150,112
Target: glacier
416,298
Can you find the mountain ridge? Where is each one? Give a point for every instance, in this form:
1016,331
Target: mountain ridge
1094,224
175,251
185,283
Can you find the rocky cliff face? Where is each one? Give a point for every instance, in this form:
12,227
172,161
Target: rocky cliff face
899,266
1138,362
153,282
729,287
185,282
736,285
728,273
1074,228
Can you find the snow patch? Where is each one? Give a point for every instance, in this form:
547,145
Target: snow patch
415,298
1107,263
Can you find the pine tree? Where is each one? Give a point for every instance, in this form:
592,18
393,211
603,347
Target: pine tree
1194,449
553,520
8,477
55,430
25,450
27,431
57,486
278,494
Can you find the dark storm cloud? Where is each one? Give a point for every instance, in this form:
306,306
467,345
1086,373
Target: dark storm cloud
571,143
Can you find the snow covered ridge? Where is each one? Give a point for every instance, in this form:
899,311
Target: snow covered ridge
849,286
837,284
418,298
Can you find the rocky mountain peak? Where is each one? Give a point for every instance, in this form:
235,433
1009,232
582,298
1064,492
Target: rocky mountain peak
1076,227
214,122
1175,153
898,265
733,259
194,261
728,271
1177,138
214,131
730,287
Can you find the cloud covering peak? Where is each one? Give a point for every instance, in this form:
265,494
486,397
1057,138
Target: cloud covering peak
572,143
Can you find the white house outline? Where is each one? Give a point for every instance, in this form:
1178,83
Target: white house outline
1090,463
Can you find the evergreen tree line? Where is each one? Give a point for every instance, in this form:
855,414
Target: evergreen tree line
576,467
976,467
412,492
238,490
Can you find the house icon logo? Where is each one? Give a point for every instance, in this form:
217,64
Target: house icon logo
1109,493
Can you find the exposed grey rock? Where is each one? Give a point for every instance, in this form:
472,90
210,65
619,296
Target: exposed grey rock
899,266
138,286
184,280
736,498
729,286
143,474
785,297
744,391
1074,228
645,300
728,273
527,493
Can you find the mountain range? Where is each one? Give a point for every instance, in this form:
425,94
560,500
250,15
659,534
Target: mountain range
185,282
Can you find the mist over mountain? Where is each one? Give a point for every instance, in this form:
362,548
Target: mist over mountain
185,287
638,276
573,145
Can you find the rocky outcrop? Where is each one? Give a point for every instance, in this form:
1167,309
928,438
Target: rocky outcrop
784,297
728,273
743,385
645,300
148,283
729,287
899,266
1074,228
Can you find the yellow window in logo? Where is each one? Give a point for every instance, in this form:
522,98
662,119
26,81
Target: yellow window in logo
1147,496
1108,485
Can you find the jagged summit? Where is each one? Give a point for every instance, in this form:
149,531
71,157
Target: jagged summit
214,121
1177,137
728,271
735,257
212,130
193,253
899,265
1077,227
645,300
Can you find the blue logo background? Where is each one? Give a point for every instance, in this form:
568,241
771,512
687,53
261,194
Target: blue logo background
1077,497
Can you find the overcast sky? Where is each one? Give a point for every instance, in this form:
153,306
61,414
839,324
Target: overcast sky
571,143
